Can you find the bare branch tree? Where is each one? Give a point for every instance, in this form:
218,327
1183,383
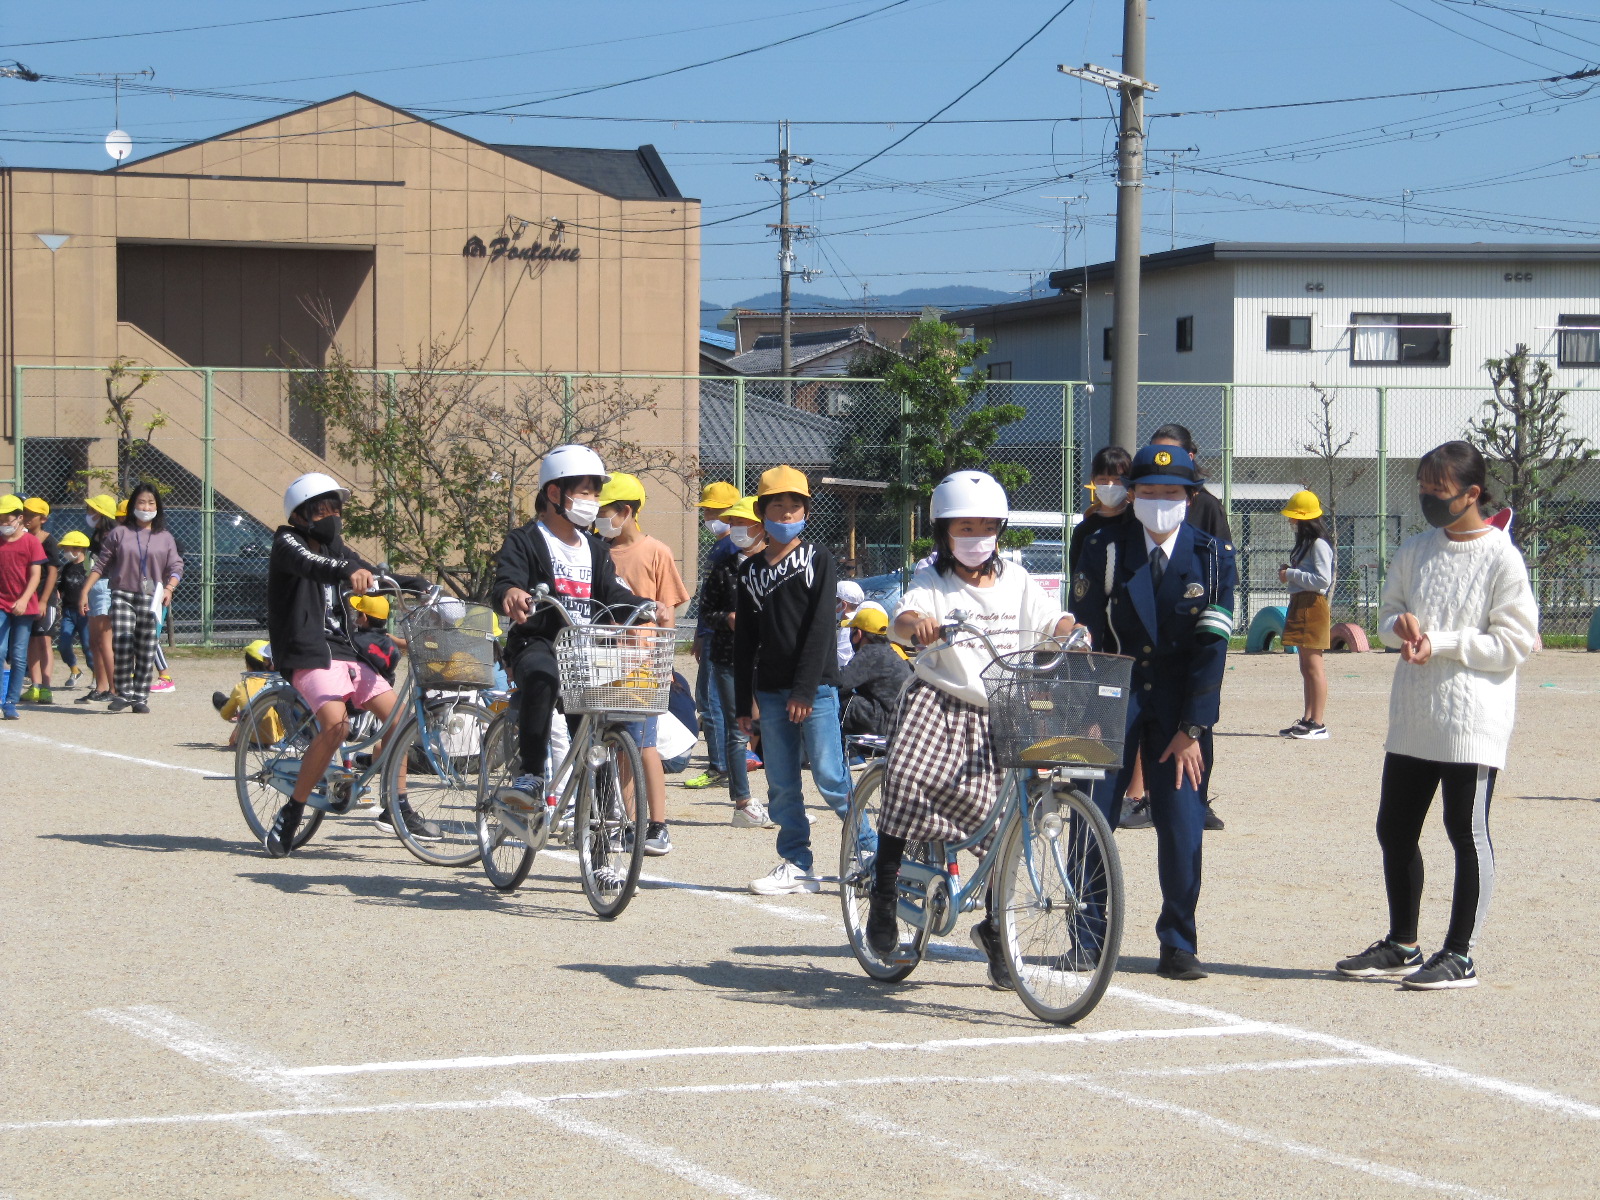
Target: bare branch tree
1328,446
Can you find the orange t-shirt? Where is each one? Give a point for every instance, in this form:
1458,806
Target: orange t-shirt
647,570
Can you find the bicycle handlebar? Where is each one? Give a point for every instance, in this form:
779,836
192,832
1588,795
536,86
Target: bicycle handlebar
543,599
957,623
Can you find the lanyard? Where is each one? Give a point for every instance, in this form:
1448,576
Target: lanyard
144,550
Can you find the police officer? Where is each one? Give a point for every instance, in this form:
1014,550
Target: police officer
1161,591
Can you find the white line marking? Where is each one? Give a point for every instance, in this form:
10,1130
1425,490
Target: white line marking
291,1148
663,1158
1244,1133
98,753
787,912
473,1063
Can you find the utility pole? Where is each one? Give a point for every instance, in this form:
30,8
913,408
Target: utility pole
786,234
1172,191
1132,86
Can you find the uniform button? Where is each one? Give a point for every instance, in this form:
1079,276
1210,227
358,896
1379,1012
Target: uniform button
1192,611
1149,649
1147,687
1144,662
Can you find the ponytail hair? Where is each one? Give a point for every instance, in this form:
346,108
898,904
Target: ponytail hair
1459,465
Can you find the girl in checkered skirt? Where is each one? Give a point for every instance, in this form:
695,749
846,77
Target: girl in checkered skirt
941,780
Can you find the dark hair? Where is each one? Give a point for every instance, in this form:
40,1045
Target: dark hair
160,522
1176,433
871,639
761,503
303,509
1111,460
1306,535
566,484
255,663
944,559
1459,463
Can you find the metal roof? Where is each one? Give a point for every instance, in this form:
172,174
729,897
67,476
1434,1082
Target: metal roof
719,338
621,174
769,359
774,432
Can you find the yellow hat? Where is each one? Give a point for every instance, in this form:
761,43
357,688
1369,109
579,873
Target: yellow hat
744,510
10,503
103,504
376,607
260,650
783,479
122,508
871,617
36,504
718,496
1303,506
622,487
75,538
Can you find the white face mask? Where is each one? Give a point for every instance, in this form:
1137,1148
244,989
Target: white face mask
1110,495
717,529
973,552
144,514
91,522
582,512
744,537
1160,516
608,527
7,530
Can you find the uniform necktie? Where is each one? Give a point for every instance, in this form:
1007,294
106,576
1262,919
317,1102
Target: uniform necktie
1158,568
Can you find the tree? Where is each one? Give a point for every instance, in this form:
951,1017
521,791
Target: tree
1327,446
123,382
1532,453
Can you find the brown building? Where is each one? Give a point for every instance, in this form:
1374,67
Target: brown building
398,232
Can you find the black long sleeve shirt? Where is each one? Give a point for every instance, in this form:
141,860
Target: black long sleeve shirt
785,637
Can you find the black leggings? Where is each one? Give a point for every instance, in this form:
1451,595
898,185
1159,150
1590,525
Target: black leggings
538,689
886,869
1409,785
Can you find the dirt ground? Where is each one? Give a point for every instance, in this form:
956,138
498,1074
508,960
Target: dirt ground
186,1017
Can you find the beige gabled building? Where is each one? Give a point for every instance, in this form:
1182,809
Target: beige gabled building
405,233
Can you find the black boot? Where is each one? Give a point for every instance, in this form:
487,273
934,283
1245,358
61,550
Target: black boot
883,921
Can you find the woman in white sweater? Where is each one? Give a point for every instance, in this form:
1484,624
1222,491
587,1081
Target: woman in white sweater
1458,607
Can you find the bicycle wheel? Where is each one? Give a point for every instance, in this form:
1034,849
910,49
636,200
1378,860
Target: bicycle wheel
442,757
273,732
505,853
1060,905
610,838
855,885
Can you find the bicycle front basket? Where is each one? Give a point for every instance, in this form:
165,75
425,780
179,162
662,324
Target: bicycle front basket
1050,710
611,669
450,644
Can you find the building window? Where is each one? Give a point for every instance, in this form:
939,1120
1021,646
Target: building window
1288,333
1400,339
1578,347
999,370
1105,343
1185,334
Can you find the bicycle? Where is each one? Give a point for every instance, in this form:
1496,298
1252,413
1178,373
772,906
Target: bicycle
438,736
609,674
1058,901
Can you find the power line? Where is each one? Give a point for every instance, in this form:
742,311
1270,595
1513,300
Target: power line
106,37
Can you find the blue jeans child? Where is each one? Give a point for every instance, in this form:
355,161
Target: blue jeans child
74,628
15,633
714,720
734,743
781,744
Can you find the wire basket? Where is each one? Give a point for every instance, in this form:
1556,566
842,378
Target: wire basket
1068,710
450,644
611,669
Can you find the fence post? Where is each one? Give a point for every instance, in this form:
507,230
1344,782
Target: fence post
1383,486
566,408
1069,456
208,513
388,504
907,511
16,428
738,436
1227,450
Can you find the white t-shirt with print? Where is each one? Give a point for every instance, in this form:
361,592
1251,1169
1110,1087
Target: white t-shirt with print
574,575
1014,607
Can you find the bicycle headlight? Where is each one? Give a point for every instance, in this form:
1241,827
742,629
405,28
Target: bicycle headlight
596,757
1050,824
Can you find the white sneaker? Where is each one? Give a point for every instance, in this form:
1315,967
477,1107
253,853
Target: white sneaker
785,879
752,816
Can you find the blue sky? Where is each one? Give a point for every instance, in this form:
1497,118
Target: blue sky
956,203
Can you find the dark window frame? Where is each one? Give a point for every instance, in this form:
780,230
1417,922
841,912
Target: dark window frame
1184,335
1563,357
999,370
1440,326
1287,343
1105,343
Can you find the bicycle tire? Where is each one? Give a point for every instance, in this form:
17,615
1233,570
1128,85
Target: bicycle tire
256,752
1061,920
610,842
505,856
855,886
446,793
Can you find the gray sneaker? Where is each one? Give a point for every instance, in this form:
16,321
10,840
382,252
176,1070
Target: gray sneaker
657,841
1445,969
1380,959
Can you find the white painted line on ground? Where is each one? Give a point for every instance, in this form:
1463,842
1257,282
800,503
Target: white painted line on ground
787,912
99,753
480,1062
1278,1064
662,1158
1244,1133
294,1149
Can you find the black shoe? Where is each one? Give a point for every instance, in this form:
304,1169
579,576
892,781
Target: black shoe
120,704
92,697
219,700
883,923
1137,816
1445,969
280,838
417,827
1212,820
986,938
1381,958
139,706
1178,964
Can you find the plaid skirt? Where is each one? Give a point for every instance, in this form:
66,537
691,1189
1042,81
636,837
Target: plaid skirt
940,781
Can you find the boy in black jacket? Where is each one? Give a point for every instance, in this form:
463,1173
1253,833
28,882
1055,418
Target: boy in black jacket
872,679
554,549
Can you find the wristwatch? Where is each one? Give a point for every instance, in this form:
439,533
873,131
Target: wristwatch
1194,732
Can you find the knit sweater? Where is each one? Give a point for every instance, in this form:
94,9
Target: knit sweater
1473,601
1313,570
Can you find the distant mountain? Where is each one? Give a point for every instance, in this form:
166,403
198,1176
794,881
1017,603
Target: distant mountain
955,296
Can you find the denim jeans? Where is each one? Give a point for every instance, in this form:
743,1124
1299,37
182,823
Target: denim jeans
74,628
714,719
781,744
734,743
15,633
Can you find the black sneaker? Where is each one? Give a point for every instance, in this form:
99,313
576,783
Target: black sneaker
1213,822
1179,964
1137,816
92,697
119,704
1294,730
986,938
1446,969
417,827
1381,958
883,923
280,838
139,706
1310,731
219,700
657,841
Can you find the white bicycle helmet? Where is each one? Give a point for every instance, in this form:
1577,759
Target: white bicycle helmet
307,486
565,462
970,494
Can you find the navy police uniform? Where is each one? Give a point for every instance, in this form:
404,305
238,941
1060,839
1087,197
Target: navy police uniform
1177,634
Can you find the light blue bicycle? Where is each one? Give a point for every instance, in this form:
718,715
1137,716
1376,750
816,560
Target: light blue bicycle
1057,722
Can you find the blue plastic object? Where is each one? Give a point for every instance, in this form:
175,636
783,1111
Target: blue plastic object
1594,631
1265,628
